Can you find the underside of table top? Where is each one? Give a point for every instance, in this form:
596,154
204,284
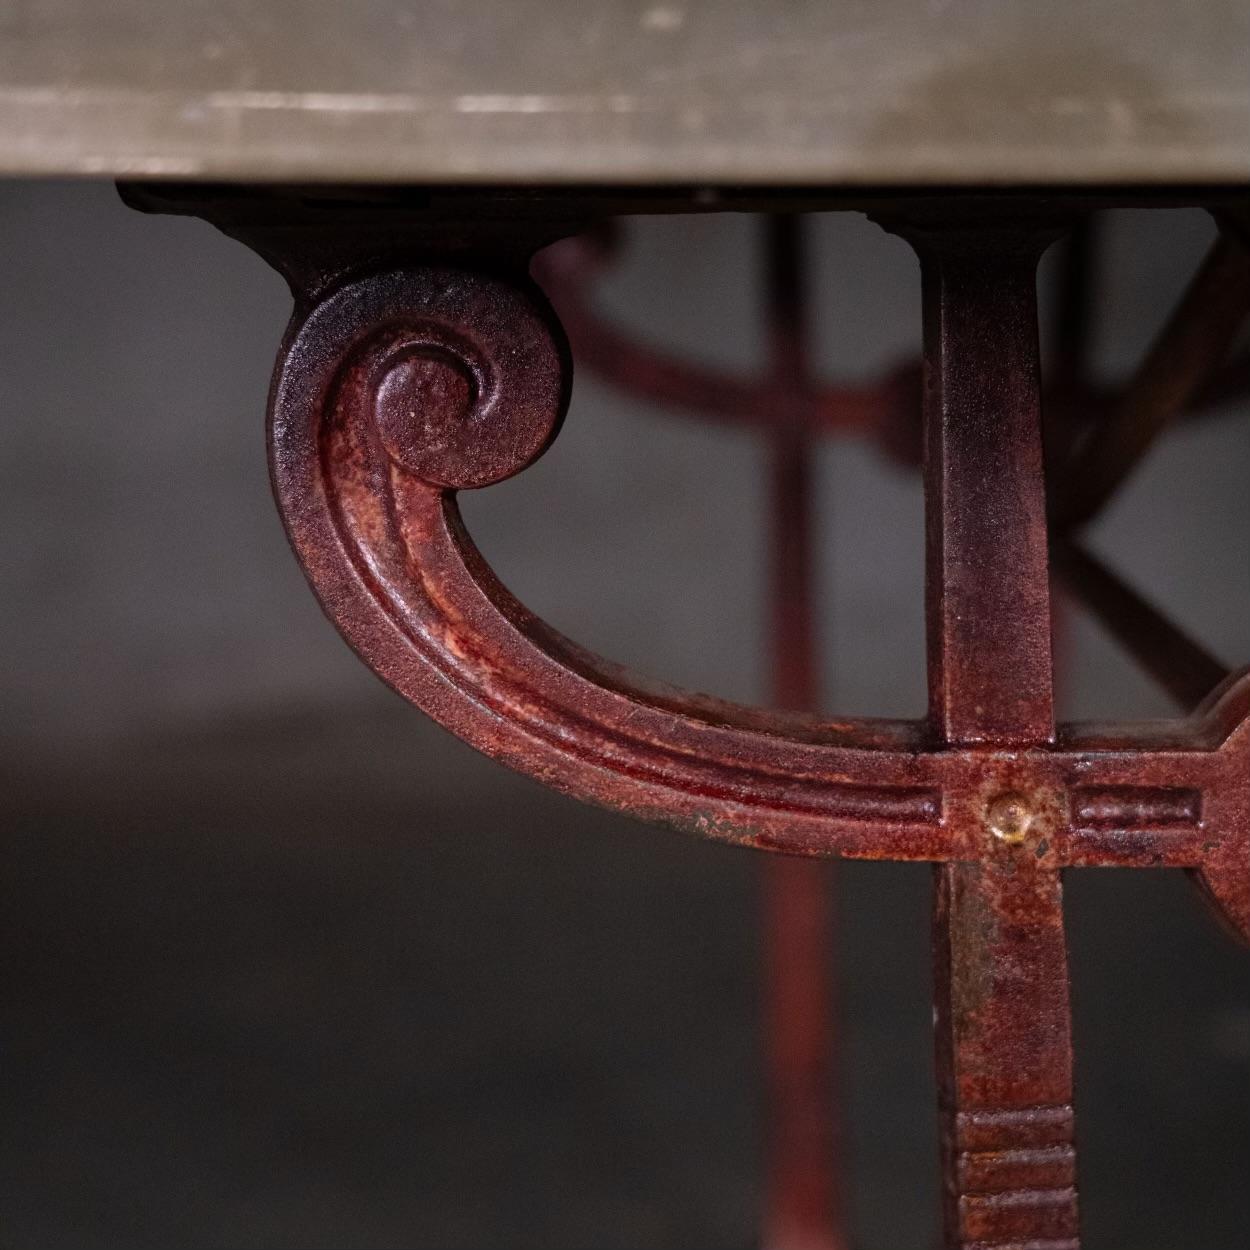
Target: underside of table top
870,92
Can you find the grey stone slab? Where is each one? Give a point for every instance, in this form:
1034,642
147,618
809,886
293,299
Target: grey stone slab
623,91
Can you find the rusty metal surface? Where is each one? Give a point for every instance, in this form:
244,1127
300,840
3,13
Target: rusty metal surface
398,385
790,411
1004,1048
650,91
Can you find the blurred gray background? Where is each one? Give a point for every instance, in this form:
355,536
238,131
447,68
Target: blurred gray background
287,966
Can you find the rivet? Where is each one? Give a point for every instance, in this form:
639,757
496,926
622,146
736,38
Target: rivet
1009,817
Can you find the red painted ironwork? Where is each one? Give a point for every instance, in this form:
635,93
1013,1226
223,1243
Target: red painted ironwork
803,1201
885,411
1183,374
1187,352
405,378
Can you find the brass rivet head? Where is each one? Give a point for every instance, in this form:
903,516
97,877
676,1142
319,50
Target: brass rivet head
1009,817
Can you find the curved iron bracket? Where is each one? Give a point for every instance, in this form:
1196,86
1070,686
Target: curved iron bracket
397,389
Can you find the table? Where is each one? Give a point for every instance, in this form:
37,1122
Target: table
403,169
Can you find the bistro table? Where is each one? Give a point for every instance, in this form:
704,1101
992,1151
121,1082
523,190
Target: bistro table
403,164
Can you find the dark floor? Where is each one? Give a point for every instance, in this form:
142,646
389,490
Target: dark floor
334,981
